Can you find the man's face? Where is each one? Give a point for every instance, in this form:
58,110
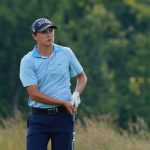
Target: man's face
45,38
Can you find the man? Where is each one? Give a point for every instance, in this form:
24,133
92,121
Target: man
45,72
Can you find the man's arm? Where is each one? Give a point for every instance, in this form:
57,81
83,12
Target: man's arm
36,95
81,82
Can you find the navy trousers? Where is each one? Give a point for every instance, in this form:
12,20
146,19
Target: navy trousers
55,127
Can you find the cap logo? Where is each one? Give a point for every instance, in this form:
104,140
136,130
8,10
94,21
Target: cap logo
40,22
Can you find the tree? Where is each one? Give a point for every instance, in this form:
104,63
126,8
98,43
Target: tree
110,38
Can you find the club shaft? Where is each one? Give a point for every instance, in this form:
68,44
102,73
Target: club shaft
73,141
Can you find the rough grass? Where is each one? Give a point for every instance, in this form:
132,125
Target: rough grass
93,135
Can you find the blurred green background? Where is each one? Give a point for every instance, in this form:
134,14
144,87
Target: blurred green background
111,39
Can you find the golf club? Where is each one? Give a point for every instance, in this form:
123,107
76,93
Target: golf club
73,141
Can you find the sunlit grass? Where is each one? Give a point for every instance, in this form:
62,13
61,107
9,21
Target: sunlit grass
102,136
13,135
93,135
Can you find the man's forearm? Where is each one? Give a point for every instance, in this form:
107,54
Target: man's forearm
81,82
40,97
36,95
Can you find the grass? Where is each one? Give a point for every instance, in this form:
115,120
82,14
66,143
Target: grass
93,135
13,135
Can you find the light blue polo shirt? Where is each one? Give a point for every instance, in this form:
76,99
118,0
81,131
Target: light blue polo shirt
51,74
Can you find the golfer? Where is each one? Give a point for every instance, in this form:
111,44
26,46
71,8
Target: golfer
45,72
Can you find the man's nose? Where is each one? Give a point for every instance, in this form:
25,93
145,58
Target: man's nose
49,33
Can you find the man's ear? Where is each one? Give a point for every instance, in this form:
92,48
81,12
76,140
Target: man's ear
34,36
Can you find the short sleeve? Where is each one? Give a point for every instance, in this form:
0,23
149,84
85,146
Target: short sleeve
75,66
27,73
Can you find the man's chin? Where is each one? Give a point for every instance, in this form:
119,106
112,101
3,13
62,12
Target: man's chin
49,44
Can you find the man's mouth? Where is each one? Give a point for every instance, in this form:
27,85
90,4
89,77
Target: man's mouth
49,40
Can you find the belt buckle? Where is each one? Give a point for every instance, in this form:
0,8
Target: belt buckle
52,111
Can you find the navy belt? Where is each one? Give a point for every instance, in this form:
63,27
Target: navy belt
48,111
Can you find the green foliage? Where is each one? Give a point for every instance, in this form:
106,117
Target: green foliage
110,38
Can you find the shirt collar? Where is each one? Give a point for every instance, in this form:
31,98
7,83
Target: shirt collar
36,54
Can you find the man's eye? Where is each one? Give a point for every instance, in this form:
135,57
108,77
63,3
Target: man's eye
43,32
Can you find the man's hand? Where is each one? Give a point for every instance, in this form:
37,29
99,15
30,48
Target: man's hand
75,99
70,108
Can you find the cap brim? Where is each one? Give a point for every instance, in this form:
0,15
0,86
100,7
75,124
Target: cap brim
44,28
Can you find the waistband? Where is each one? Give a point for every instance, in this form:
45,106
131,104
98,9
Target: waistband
48,111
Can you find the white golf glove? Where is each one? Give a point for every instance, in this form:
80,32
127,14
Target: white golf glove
75,99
